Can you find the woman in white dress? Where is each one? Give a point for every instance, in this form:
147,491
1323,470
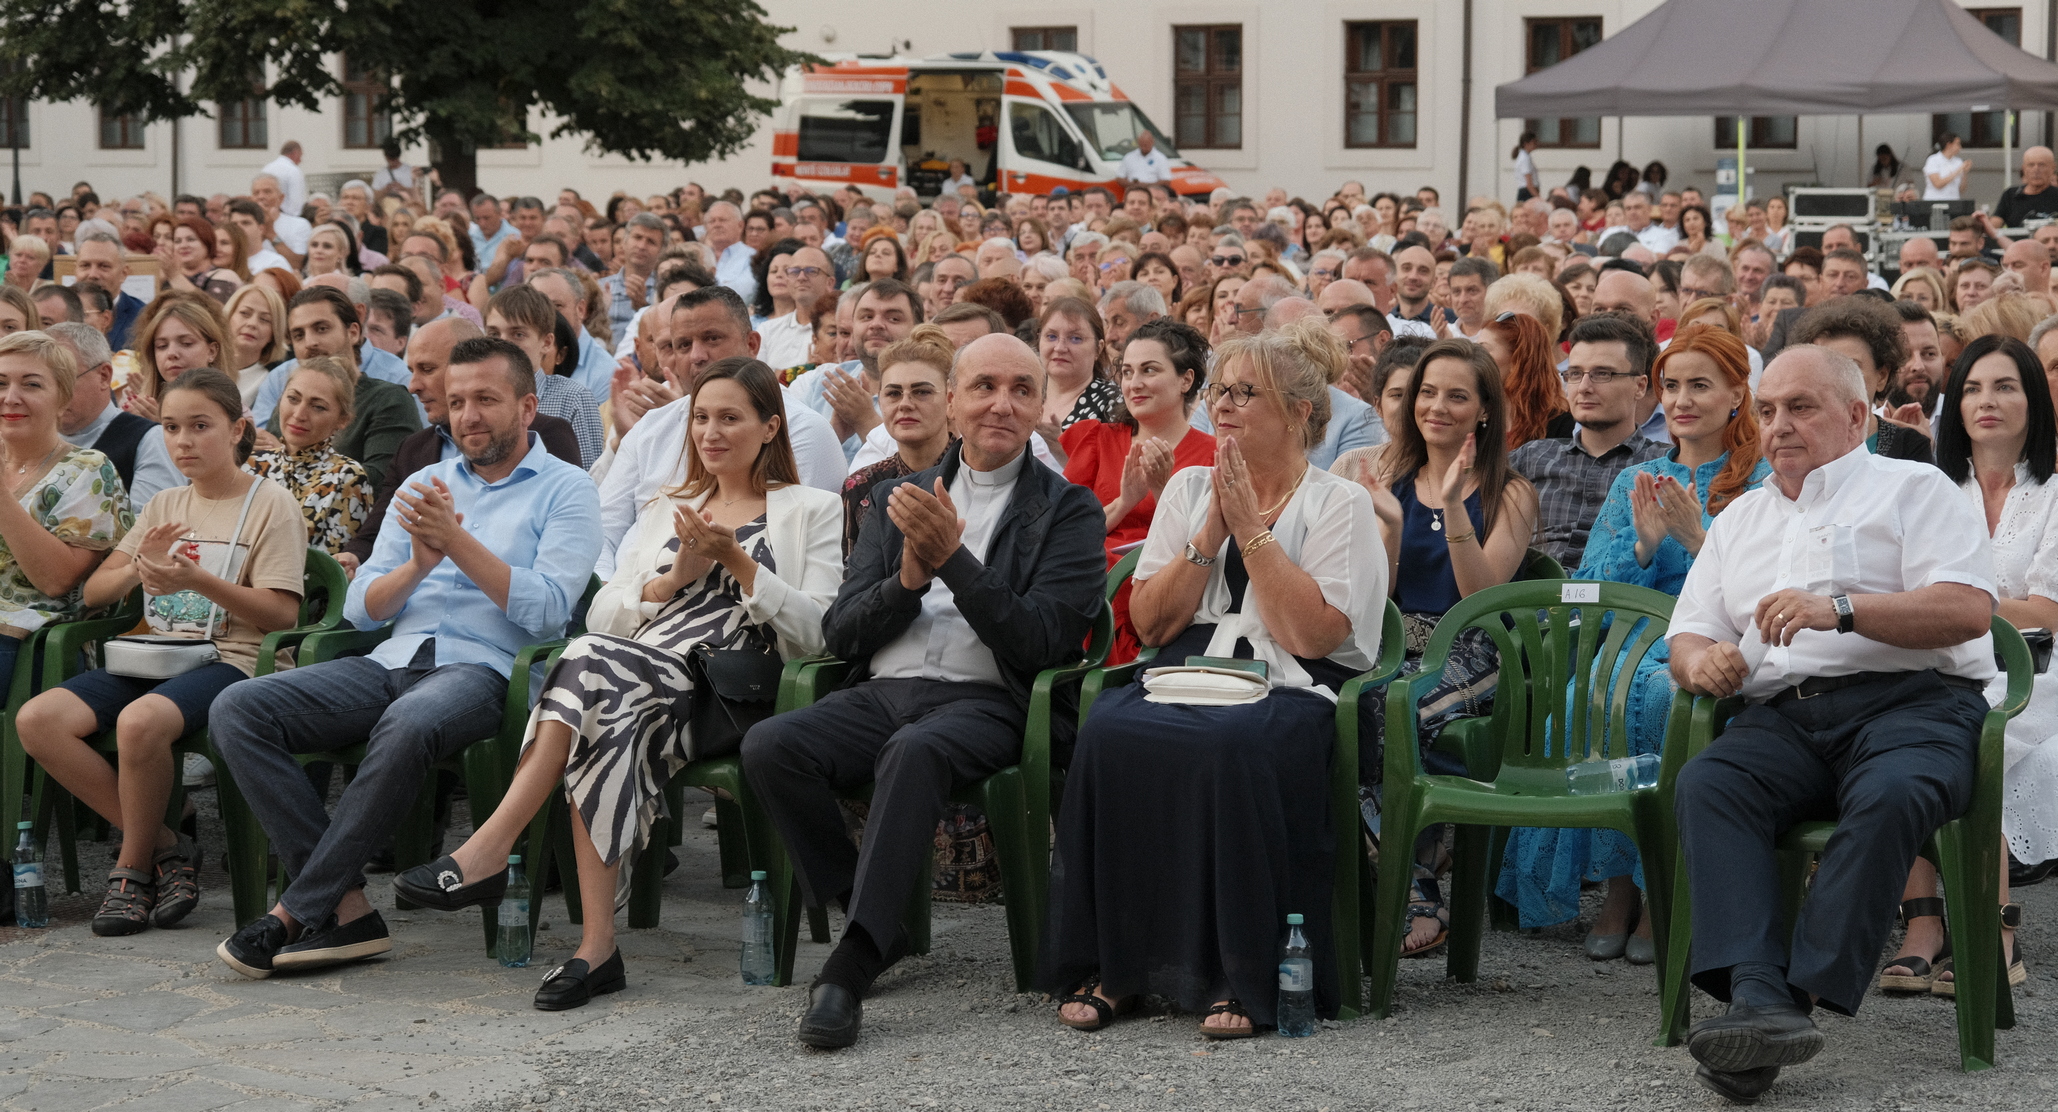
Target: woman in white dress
1998,439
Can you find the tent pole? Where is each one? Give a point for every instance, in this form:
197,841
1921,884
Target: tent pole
1465,116
1864,171
1742,195
2007,148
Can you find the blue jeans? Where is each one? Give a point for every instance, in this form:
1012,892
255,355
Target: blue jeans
410,718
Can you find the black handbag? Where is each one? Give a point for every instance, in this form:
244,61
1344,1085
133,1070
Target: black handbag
733,690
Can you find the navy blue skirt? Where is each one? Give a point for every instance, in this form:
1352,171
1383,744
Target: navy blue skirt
1187,836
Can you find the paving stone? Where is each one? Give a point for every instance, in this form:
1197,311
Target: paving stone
186,1096
98,972
263,1074
138,1011
28,1026
66,1094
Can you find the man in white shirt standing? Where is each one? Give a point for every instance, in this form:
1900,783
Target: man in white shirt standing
286,168
724,228
1146,165
1848,601
981,572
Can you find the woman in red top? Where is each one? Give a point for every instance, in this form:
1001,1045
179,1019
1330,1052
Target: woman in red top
1127,458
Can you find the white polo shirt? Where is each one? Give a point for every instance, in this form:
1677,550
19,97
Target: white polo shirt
1864,524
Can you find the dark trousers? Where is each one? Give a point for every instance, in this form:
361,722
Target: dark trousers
409,718
1888,761
917,740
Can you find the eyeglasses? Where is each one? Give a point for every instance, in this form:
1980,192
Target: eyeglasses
1240,393
1598,378
804,272
1696,295
1226,260
1237,311
1505,317
1321,272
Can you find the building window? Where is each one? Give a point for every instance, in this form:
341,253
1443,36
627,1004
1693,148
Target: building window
1379,84
1777,133
242,122
513,128
1983,129
1552,41
366,122
1046,38
122,132
1207,86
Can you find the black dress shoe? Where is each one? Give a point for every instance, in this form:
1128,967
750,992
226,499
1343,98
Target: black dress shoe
334,944
834,1014
1744,1087
250,951
1751,1038
574,983
440,885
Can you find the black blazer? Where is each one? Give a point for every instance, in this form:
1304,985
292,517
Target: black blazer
1033,602
426,447
1902,442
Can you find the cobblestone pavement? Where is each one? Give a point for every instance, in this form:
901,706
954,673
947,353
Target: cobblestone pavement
155,1022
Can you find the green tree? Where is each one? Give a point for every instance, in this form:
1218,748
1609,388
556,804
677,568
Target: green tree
641,78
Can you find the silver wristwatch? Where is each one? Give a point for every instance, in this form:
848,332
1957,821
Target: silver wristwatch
1194,557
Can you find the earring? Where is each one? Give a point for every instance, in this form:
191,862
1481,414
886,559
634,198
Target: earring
1733,412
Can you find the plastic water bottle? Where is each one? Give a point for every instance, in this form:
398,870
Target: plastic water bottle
31,903
1622,774
757,961
1296,984
513,945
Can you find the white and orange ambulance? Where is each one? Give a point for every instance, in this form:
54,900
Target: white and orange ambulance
1021,121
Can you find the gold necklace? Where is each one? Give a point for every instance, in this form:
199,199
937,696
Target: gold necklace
1269,510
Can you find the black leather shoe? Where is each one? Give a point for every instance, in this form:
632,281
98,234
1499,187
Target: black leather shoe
250,951
440,885
335,944
834,1014
1751,1038
574,983
1744,1087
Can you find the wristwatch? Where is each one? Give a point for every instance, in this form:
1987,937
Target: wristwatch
1194,557
1846,620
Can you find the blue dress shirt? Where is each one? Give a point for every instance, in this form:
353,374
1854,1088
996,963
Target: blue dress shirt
543,519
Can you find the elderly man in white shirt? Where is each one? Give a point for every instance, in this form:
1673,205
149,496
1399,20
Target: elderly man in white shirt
1848,601
1146,165
292,181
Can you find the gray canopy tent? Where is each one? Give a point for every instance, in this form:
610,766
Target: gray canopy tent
1789,58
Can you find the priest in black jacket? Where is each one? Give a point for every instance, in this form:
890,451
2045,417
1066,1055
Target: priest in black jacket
982,572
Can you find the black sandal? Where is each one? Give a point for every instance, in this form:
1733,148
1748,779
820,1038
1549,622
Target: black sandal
1428,904
1229,1007
1104,1012
1922,973
2011,918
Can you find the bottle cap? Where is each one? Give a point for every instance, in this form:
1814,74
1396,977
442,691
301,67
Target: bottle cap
514,858
25,824
757,874
1293,920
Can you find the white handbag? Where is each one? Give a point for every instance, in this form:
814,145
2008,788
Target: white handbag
148,656
1203,686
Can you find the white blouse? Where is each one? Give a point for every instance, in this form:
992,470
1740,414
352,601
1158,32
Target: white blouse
2026,537
1328,530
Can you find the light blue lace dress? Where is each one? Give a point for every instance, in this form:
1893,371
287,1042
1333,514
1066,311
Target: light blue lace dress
1542,869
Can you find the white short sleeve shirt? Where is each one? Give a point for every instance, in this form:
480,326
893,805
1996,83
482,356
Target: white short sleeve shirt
1863,524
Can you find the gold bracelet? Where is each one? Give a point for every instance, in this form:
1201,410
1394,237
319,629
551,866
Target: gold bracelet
1450,539
1261,540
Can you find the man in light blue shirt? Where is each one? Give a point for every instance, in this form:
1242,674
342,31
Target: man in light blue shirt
479,557
488,229
723,234
635,285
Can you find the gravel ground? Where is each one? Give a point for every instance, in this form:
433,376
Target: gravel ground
1542,1028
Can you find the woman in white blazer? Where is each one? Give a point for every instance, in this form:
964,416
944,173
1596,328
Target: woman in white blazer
740,560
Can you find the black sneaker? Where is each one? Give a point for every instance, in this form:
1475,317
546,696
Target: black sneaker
250,951
334,944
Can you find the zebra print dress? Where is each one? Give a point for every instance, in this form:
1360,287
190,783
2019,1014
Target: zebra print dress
625,699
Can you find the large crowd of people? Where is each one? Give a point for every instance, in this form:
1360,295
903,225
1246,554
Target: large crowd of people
917,434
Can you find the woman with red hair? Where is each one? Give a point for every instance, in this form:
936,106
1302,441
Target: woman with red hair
1648,533
1529,367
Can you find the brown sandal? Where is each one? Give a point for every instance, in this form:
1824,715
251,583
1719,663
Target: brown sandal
131,897
178,882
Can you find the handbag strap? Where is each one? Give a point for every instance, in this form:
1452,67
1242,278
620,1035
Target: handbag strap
229,561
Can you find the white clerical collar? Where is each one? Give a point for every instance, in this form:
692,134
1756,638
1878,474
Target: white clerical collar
1000,476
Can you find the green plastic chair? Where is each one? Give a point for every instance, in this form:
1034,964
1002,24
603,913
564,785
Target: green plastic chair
487,766
1562,697
1966,851
1016,800
323,586
1538,565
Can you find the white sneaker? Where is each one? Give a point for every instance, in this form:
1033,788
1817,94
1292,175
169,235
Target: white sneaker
199,771
708,819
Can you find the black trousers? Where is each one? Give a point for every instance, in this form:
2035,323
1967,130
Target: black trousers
919,740
1888,761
